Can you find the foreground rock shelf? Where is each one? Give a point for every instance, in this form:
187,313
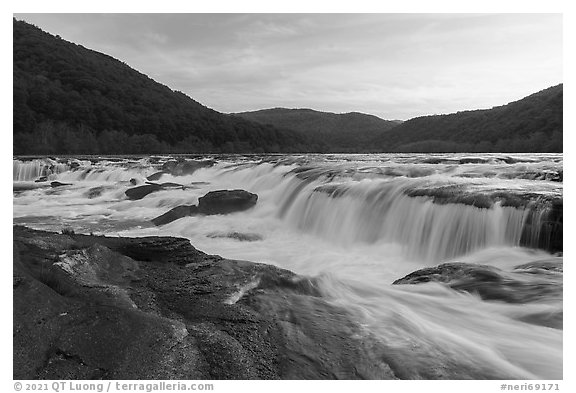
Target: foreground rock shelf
91,307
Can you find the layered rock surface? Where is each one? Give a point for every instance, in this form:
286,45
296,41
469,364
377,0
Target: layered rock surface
91,307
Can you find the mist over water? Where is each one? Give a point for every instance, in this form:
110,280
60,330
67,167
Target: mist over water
354,223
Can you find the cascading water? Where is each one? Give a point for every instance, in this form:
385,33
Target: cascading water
379,211
356,223
34,169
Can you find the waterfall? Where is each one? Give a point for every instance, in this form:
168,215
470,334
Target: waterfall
102,175
347,205
34,169
373,211
432,211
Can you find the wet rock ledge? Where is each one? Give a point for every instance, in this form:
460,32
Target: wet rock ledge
92,307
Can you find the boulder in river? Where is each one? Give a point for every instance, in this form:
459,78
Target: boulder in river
141,191
215,202
226,201
175,214
41,179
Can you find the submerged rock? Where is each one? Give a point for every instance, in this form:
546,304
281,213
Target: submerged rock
155,176
168,185
41,179
91,307
448,272
141,191
175,214
462,194
543,266
95,192
185,167
453,194
243,237
545,175
491,283
226,201
473,160
552,319
333,190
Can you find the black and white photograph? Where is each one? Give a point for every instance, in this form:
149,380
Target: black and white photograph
287,196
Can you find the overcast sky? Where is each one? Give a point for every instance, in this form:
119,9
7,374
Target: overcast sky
395,66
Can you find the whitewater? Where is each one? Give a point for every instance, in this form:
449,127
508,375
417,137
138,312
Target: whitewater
354,224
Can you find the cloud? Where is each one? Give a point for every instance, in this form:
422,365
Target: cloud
395,66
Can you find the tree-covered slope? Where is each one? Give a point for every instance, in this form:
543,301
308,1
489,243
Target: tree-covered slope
532,124
69,99
344,132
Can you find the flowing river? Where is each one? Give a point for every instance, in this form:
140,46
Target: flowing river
354,223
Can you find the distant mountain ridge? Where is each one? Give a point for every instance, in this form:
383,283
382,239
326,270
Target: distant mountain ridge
531,124
346,132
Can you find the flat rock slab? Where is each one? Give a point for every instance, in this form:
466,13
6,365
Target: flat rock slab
94,307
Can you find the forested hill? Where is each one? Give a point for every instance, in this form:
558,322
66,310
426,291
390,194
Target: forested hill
346,132
69,99
532,124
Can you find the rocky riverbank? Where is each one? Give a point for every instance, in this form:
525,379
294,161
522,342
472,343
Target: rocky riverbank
93,307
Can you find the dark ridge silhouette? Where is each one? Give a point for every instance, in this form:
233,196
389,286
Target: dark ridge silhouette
69,99
346,132
532,124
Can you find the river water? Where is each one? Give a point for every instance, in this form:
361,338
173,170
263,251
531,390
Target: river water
355,223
